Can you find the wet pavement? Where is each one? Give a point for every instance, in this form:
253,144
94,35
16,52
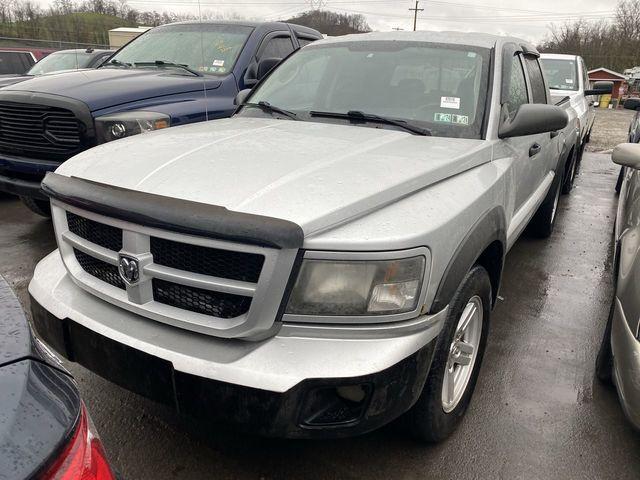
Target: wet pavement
538,411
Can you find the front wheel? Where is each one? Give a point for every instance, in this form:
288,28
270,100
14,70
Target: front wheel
39,207
456,363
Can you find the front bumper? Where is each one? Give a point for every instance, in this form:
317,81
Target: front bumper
286,385
626,364
22,176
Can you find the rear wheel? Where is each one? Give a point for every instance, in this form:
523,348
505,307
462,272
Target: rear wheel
604,361
39,207
456,362
570,175
544,220
620,179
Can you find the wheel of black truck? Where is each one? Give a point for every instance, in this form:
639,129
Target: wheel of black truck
456,363
39,207
544,220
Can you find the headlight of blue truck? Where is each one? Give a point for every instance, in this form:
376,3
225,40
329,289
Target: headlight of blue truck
355,288
125,124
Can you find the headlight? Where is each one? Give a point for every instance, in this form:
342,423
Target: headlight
368,287
125,124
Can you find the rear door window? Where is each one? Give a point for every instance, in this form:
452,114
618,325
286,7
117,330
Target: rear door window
305,41
276,47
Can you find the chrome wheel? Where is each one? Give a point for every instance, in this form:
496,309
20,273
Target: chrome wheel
462,354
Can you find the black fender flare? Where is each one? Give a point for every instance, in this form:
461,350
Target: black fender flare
489,228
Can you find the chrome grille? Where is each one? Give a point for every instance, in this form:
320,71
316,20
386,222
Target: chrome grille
207,285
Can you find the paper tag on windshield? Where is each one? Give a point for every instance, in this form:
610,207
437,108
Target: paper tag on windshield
568,81
218,63
450,102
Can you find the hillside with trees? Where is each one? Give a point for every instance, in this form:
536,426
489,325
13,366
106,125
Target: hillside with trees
614,45
87,22
332,23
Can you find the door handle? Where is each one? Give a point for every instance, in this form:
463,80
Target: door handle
535,149
555,133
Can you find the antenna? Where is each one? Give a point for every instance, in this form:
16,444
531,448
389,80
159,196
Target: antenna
204,78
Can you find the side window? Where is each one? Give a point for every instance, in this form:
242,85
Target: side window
538,89
517,88
277,47
305,41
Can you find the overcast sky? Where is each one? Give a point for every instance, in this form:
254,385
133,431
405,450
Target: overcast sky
524,18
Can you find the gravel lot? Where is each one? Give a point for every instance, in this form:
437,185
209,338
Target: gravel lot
538,411
609,129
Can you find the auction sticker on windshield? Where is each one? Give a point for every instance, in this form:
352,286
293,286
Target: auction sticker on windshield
450,102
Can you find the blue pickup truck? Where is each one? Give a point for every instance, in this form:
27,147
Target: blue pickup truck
172,75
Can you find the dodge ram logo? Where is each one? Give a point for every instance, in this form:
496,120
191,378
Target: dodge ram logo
129,269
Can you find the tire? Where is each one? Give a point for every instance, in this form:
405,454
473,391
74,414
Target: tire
432,419
581,150
570,176
544,220
604,360
620,179
39,207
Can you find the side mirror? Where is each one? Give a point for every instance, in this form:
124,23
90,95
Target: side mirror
600,88
532,118
265,66
241,97
627,155
632,103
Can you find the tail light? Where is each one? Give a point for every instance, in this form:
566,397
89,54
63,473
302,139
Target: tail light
83,458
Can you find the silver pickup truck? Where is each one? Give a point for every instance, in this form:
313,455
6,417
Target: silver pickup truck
568,80
325,261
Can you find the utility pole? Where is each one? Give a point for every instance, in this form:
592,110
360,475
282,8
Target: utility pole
415,14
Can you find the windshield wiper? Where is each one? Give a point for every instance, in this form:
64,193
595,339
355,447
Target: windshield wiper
368,117
162,63
267,107
118,63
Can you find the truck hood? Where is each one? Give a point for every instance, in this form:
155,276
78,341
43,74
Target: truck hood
11,79
317,175
107,87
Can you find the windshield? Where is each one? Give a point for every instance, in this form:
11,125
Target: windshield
206,48
561,74
61,61
439,87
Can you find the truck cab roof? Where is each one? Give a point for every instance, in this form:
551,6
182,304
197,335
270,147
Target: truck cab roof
477,39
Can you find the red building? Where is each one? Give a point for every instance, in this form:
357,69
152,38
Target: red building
602,73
